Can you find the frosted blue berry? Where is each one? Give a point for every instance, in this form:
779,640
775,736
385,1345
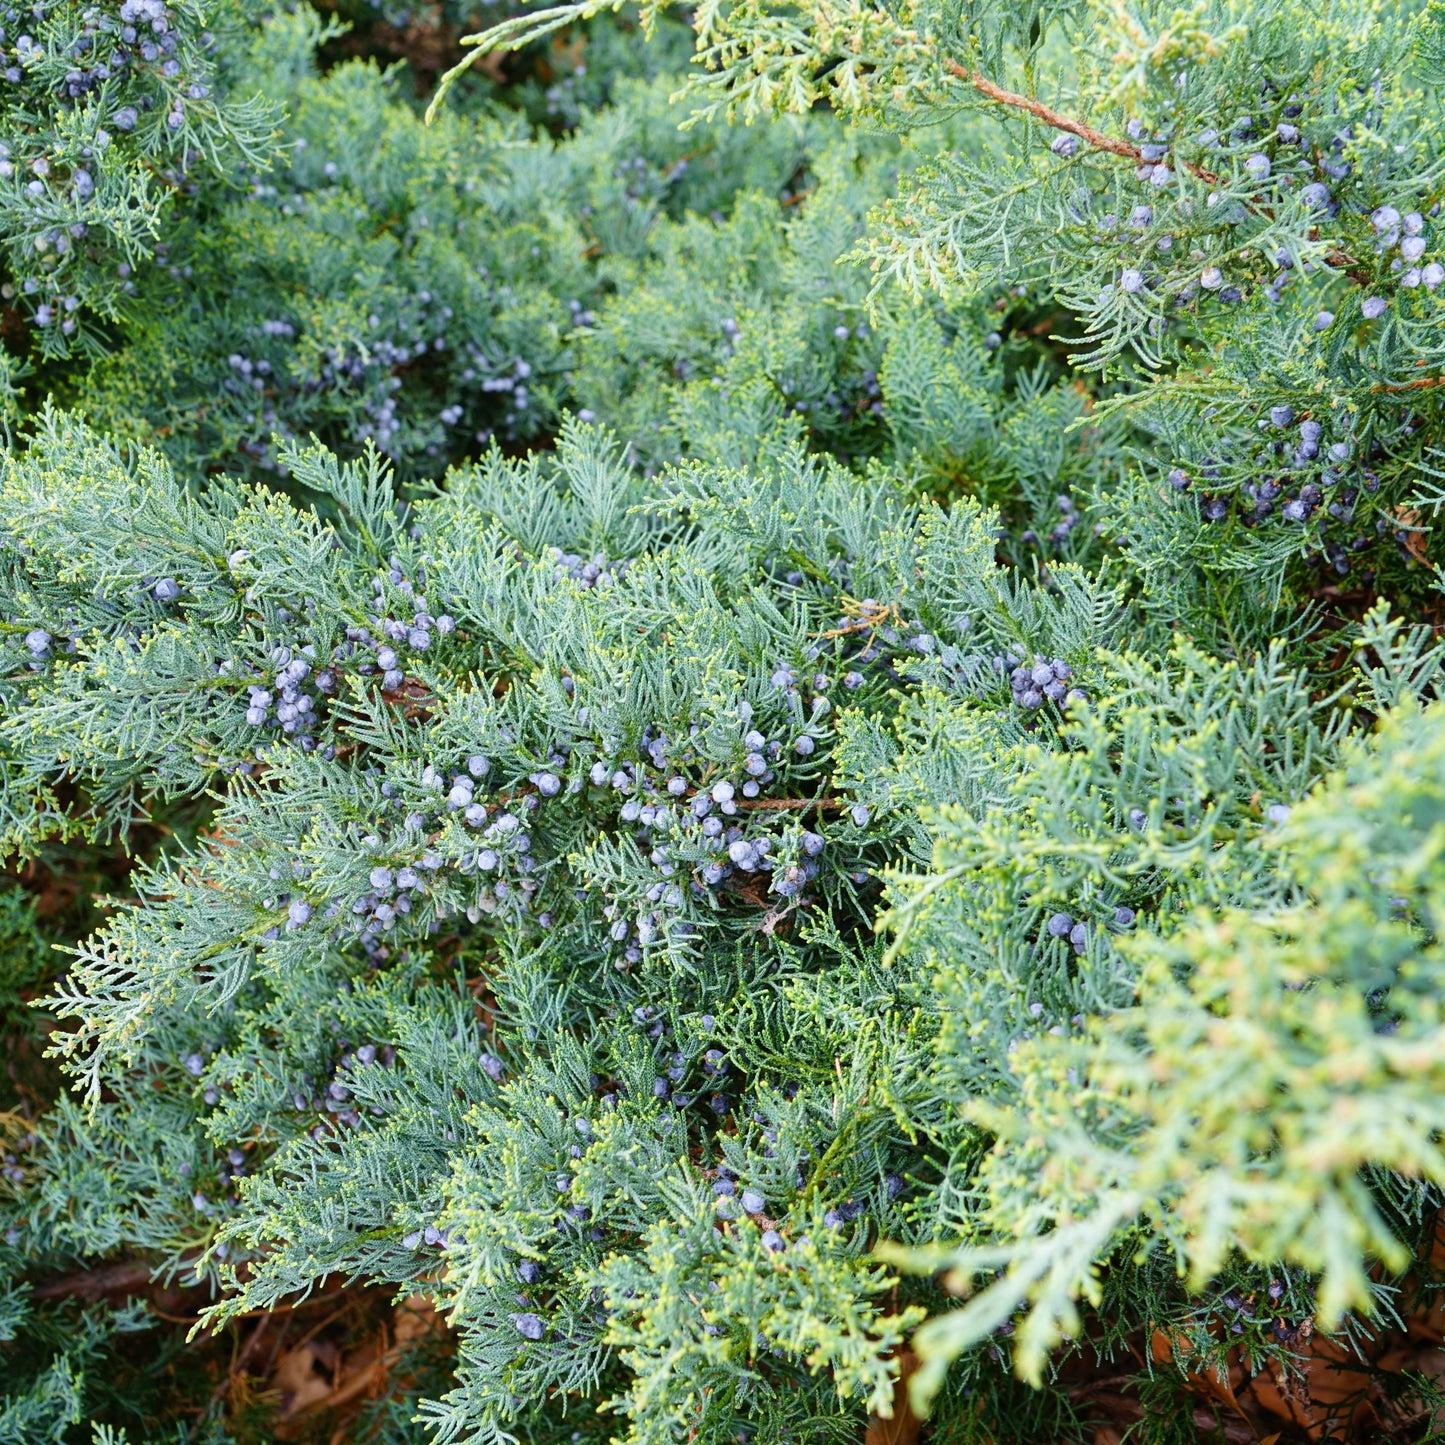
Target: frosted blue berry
1373,307
1433,275
393,679
1065,145
1316,195
1123,916
753,1202
380,877
772,1240
195,1065
418,639
1386,218
529,1326
548,784
166,590
297,913
1059,925
1131,280
1138,818
803,745
813,844
860,814
1323,320
1078,935
1257,165
1278,812
1281,416
37,642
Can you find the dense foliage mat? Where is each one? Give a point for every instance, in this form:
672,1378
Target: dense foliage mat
669,779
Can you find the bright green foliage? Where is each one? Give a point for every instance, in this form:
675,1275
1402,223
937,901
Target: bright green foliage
1270,1024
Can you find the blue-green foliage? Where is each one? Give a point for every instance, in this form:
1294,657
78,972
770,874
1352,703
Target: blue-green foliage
675,791
109,121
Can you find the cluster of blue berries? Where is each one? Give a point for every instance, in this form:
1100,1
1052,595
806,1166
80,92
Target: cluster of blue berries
411,634
698,830
495,848
290,694
335,1098
1062,530
676,1083
289,700
1046,680
250,374
868,645
596,571
1313,472
1405,235
390,894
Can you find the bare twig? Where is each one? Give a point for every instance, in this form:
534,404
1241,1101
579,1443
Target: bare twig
129,1276
1340,260
1058,121
1417,385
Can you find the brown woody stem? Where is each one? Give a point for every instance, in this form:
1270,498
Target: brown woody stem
1040,111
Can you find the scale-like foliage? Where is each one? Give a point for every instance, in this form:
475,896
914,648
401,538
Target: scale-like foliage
678,798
